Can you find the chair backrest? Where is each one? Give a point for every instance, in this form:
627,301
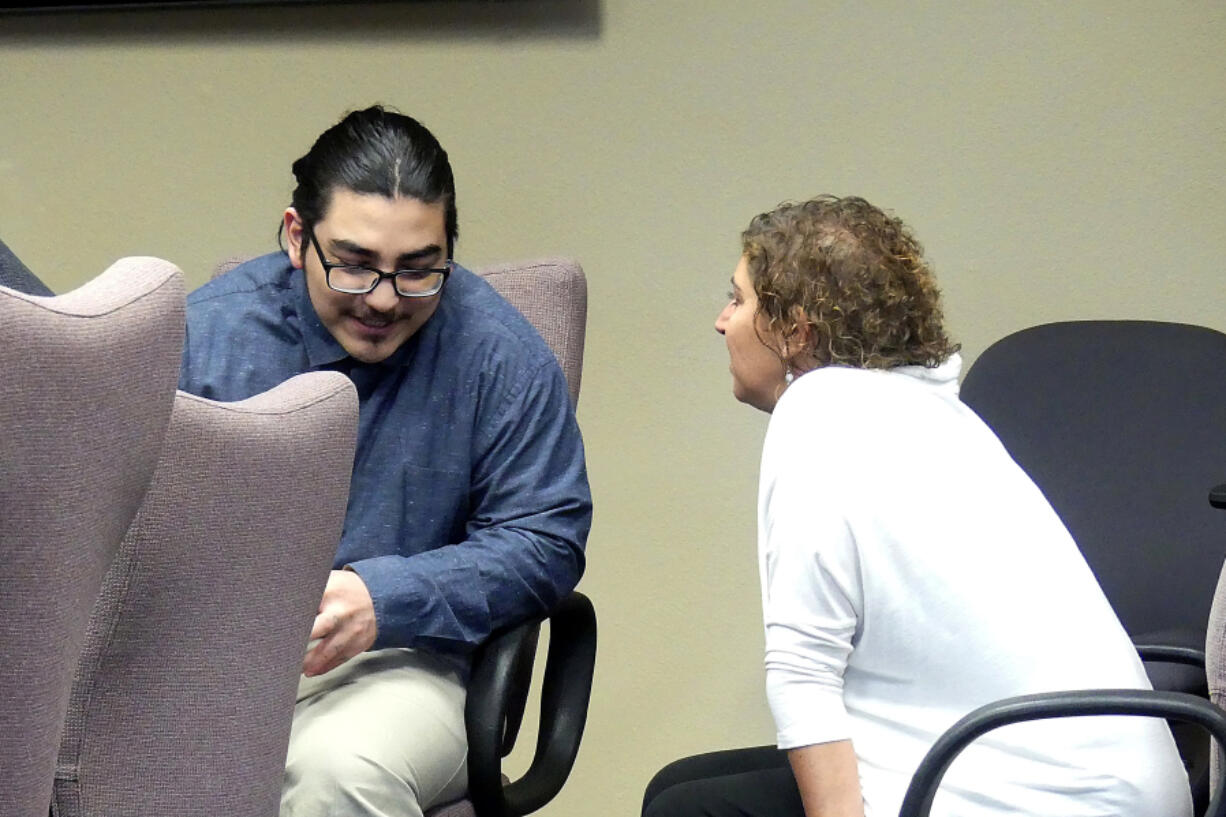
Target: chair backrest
550,292
185,692
1120,423
89,380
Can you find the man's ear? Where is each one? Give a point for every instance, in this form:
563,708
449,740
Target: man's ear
295,238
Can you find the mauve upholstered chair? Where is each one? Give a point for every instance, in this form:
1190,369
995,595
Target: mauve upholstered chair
552,294
1215,669
185,691
1215,648
89,380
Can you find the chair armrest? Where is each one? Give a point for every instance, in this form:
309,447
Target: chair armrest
494,706
1174,660
1171,654
501,675
1170,705
502,671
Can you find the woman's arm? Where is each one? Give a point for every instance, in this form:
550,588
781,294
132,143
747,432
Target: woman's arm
829,779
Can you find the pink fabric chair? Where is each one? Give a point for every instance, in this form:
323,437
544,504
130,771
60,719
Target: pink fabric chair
185,692
552,294
89,380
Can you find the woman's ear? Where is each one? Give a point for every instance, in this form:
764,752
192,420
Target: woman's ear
802,335
801,341
295,238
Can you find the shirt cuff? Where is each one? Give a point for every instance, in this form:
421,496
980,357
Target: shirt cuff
806,710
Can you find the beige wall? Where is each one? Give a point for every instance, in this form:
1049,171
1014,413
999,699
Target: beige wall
1058,159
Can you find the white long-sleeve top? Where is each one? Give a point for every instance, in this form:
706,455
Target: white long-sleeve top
912,572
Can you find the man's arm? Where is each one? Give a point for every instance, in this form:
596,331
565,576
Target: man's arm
829,779
528,520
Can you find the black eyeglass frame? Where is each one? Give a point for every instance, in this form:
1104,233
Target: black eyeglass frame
444,271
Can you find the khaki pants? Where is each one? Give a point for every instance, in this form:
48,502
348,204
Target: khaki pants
382,735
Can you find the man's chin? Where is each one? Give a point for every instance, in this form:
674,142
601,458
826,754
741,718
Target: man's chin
371,352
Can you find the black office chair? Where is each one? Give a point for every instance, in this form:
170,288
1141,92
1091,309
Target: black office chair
1120,424
1174,706
497,698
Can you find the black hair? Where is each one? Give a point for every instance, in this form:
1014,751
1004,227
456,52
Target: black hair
375,151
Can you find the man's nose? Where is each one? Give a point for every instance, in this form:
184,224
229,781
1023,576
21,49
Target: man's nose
383,297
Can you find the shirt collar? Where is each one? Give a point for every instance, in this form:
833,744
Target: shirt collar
322,349
943,378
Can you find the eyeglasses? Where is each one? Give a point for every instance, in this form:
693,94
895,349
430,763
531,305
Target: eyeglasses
356,279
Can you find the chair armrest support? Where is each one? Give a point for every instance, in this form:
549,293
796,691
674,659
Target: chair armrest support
501,673
1171,654
494,707
1170,705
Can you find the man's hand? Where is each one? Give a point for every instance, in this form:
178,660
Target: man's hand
345,624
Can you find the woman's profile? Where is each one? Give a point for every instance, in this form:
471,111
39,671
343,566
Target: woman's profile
910,571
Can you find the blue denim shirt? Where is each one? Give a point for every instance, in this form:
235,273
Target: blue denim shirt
469,506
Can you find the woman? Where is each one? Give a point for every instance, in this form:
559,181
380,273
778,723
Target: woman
910,571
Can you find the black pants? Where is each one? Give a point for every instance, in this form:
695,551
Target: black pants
753,782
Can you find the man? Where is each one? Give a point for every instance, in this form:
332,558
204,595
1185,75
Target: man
469,506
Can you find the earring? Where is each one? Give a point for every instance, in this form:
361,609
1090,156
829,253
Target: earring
788,377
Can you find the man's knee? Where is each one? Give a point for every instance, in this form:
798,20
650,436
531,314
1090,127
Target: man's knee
331,779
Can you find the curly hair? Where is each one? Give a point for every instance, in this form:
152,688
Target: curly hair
853,275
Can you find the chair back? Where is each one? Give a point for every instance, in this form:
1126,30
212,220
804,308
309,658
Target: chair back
550,292
1120,424
89,380
185,692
